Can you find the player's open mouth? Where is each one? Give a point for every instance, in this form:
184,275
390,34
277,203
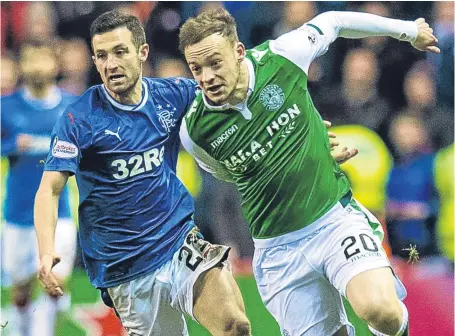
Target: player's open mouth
214,89
116,78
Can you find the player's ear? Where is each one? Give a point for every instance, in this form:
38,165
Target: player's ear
144,52
240,51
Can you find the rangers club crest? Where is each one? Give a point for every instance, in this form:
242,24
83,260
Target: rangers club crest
272,97
166,120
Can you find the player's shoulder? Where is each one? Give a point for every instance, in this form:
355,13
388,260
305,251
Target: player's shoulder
196,109
260,53
171,83
11,98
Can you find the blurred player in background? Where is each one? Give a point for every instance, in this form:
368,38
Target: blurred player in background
254,124
28,117
140,246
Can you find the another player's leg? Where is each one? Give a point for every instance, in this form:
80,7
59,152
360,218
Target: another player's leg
358,267
65,246
294,288
373,297
218,303
20,268
21,293
144,305
204,288
154,304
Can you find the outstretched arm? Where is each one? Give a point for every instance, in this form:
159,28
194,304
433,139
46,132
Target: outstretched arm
313,39
358,25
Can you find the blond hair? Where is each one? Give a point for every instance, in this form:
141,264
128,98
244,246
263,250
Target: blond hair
210,22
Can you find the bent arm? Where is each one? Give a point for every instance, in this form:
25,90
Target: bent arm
46,209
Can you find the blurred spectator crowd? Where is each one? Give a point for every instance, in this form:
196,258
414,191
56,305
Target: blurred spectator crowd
396,102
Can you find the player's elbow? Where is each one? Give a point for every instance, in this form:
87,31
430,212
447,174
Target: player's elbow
53,182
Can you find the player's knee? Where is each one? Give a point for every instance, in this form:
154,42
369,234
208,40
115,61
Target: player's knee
21,295
239,326
381,311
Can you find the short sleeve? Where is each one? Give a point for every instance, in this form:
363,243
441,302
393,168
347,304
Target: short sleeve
70,137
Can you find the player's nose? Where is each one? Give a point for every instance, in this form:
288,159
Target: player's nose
111,62
208,75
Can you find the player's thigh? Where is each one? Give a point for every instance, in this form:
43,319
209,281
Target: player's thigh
216,303
19,254
65,247
237,293
297,294
373,290
144,306
351,248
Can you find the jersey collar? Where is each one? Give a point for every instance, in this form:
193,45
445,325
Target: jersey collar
239,106
145,96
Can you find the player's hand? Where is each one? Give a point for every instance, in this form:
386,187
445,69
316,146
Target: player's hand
345,154
332,136
24,142
47,277
425,41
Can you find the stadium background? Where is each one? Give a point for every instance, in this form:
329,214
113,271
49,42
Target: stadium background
391,102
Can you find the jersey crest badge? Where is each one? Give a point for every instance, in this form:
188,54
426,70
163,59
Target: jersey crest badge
166,120
272,97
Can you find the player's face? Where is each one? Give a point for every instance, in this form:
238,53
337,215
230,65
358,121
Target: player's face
215,65
117,60
38,66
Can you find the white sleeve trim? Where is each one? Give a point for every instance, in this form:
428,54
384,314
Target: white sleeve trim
204,160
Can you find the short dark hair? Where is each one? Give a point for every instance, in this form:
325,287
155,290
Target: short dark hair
114,19
197,28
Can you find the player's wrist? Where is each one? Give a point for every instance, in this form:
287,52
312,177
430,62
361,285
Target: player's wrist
48,254
410,31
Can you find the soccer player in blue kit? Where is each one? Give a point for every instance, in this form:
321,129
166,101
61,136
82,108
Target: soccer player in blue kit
28,117
139,243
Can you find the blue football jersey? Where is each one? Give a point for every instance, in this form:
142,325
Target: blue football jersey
134,213
22,114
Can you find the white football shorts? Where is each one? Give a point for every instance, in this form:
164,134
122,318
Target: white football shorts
302,275
155,304
20,259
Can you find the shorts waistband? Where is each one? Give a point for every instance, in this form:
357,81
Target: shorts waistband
308,230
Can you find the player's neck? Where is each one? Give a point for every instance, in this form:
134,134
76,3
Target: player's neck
240,92
40,92
130,97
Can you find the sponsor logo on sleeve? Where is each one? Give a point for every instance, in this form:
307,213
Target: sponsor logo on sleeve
63,149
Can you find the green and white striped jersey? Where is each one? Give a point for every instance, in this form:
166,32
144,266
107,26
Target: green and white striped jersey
273,146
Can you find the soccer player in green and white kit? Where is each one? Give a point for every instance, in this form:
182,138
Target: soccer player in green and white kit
254,124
